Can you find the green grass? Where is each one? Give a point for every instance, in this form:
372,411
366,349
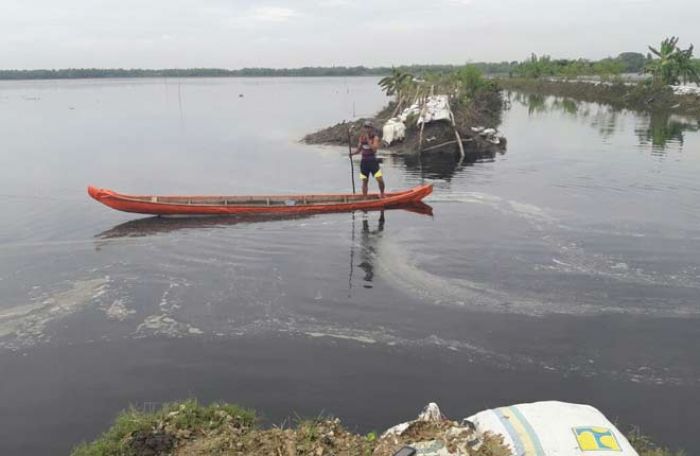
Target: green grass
182,416
646,447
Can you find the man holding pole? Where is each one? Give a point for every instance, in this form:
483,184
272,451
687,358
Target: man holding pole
369,165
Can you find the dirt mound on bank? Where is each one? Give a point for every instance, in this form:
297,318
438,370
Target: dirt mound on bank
190,429
314,438
481,114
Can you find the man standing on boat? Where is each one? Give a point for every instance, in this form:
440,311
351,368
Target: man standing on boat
369,165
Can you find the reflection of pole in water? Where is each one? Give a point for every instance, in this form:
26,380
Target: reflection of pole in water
366,253
420,165
347,93
179,104
352,255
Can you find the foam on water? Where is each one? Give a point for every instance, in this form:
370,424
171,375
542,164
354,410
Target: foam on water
569,258
25,325
165,325
118,311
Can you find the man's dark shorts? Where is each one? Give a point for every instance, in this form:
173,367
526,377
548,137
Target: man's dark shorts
370,168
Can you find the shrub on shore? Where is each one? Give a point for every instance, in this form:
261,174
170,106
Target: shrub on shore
646,447
136,432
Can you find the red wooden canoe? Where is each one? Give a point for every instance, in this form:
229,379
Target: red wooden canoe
256,204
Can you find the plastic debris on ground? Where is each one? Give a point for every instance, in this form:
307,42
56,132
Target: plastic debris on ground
431,434
685,90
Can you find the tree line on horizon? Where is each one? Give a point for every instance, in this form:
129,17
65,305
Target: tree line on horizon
668,64
79,73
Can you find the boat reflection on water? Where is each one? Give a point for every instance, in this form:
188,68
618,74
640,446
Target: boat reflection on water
159,225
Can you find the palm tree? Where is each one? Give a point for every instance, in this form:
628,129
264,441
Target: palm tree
672,63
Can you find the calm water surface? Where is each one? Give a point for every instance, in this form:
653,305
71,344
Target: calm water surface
567,268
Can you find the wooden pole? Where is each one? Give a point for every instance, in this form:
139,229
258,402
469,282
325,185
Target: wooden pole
352,168
415,97
398,106
420,137
459,140
438,146
422,125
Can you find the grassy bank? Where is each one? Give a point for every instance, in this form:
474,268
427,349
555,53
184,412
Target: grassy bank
191,429
484,110
644,96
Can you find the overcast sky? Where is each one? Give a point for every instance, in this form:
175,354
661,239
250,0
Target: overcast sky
285,33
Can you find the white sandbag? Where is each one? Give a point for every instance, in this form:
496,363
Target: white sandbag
437,107
554,429
414,109
393,130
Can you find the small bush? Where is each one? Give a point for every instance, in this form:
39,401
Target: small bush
471,80
171,419
645,447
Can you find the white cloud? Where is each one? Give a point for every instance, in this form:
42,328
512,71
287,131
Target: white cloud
333,3
273,14
179,33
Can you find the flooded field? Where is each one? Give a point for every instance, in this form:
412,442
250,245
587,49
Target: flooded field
567,268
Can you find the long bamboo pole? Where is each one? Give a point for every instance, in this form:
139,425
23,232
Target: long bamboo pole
352,168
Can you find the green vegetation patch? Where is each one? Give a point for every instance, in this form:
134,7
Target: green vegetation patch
137,433
645,96
646,447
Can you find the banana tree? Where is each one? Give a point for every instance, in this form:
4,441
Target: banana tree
687,71
672,64
397,83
